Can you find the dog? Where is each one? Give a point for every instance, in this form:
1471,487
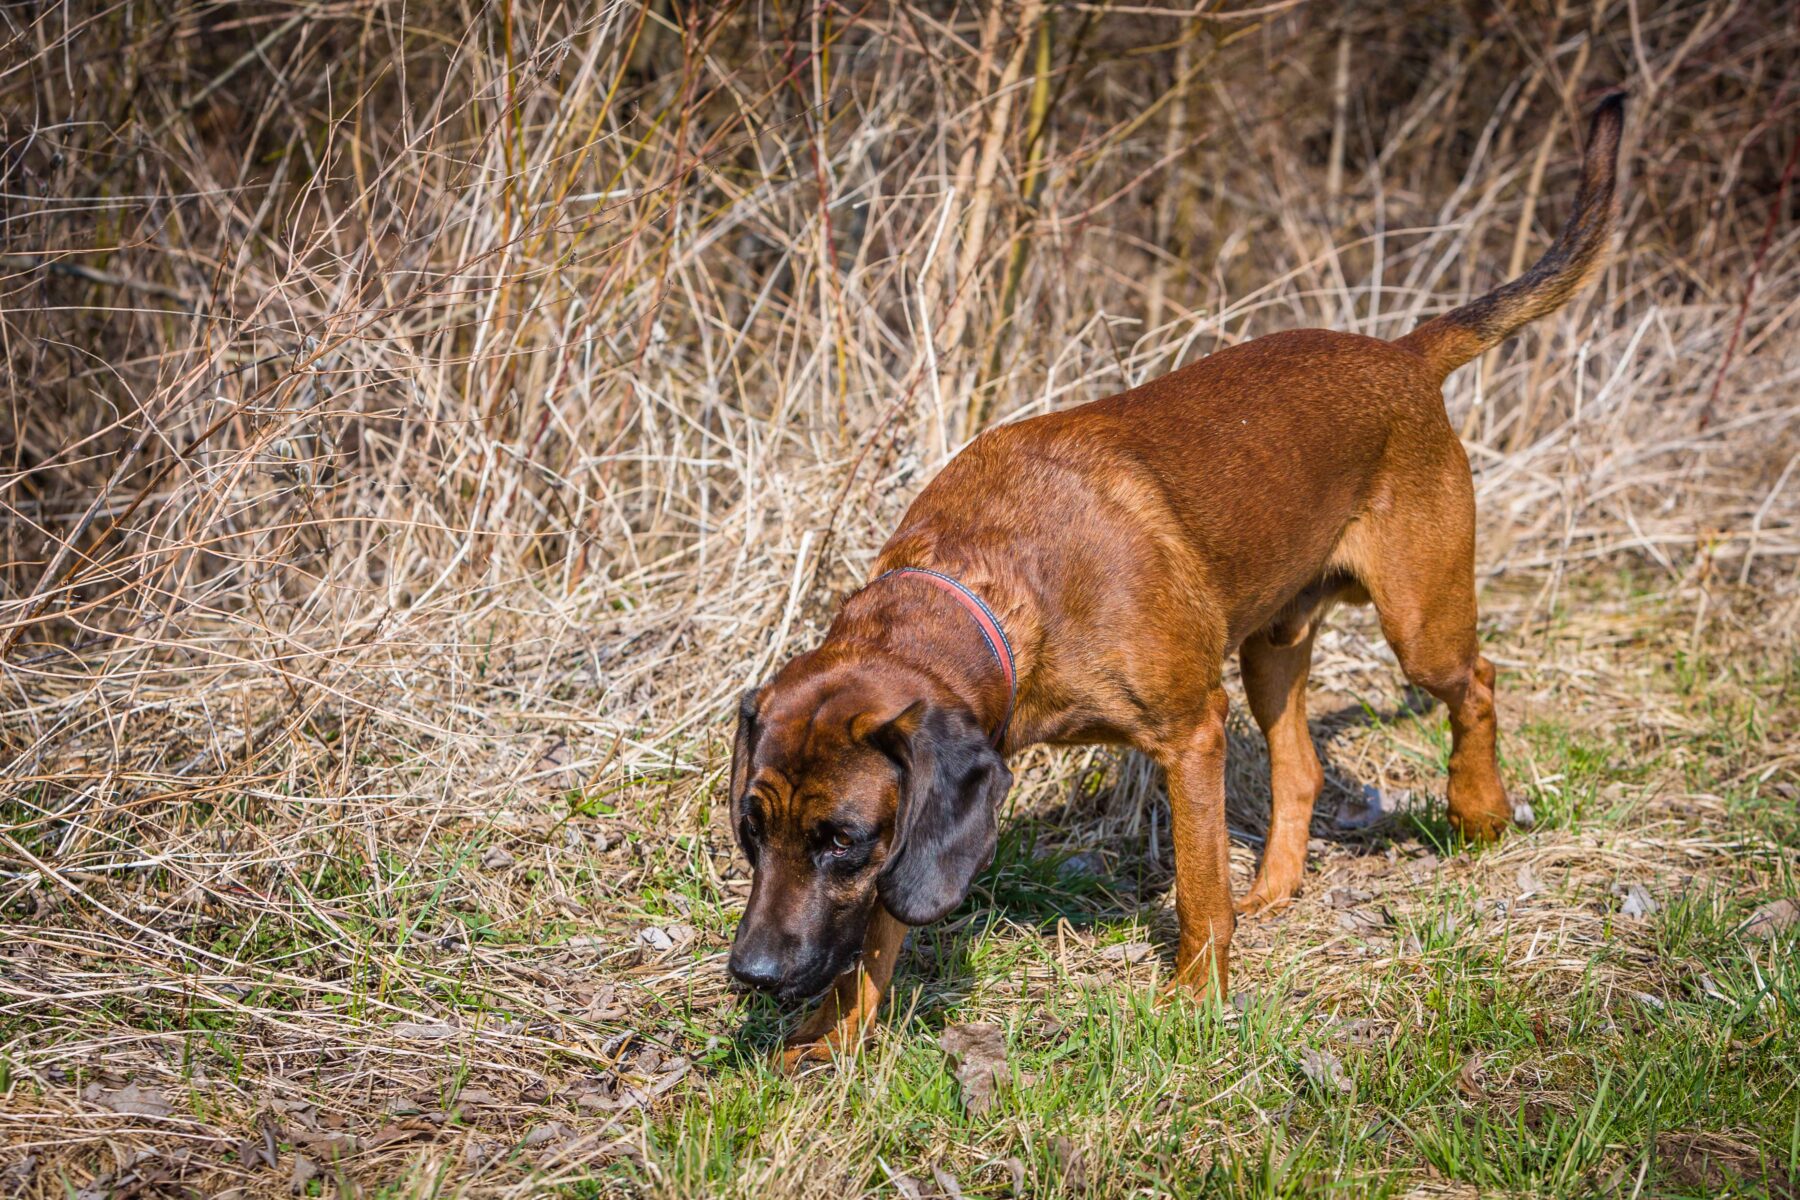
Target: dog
1080,577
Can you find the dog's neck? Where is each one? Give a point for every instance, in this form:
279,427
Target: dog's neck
905,625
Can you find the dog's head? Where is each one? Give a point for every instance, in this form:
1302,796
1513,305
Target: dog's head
846,787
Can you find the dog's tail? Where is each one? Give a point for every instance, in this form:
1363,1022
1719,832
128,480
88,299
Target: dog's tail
1462,334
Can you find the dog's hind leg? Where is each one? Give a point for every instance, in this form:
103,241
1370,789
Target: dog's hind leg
1275,684
1422,579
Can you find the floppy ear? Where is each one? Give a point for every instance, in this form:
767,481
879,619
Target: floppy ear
741,748
951,784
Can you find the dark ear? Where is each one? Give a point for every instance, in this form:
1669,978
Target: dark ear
741,748
951,783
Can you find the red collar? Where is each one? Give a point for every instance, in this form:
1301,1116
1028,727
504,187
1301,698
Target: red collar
986,621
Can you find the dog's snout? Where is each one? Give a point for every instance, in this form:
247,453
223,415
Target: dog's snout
757,966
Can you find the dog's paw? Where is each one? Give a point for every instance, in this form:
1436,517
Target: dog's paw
1523,817
805,1052
1261,901
789,1059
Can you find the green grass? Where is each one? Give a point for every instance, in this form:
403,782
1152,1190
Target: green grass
1575,1088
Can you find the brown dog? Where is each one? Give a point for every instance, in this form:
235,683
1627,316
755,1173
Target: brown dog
1122,550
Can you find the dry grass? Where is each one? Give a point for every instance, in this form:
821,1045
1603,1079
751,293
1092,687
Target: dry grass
421,418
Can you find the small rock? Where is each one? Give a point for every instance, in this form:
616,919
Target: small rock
1371,808
1088,862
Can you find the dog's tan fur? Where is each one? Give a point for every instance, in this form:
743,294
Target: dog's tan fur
1128,546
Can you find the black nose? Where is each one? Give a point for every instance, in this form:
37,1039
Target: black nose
756,967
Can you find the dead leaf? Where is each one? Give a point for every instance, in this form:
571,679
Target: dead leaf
1127,952
1529,883
306,1114
498,858
604,1004
979,1055
304,1173
1638,902
948,1188
17,1176
612,1095
674,1070
424,1032
131,1100
659,939
1347,897
908,1187
1771,919
1362,920
402,1131
1324,1068
1016,1168
538,1135
1358,1032
1072,1159
325,1145
1470,1080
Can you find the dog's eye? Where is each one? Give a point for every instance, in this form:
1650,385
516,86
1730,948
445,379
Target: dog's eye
841,844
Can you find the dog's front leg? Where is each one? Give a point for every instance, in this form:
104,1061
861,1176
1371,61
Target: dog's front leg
1196,770
844,1018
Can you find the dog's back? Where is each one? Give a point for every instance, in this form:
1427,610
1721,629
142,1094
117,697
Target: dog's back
1247,470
